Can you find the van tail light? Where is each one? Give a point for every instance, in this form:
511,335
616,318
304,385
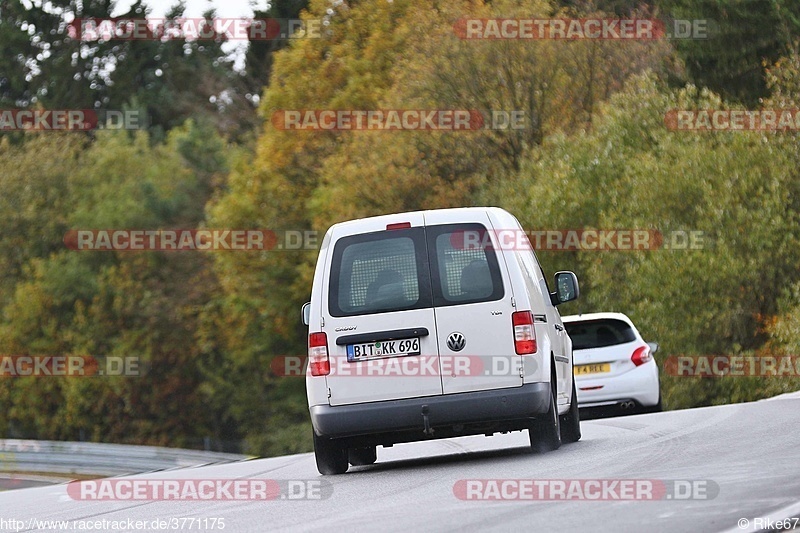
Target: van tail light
398,225
524,334
318,360
641,355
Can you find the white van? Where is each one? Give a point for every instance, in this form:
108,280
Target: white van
435,324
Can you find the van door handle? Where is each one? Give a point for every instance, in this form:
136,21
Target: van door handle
559,327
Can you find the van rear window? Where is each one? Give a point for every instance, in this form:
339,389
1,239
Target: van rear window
463,273
599,333
379,272
389,270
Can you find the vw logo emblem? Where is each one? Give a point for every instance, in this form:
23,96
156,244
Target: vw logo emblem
456,341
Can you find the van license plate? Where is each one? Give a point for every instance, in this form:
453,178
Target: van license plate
373,350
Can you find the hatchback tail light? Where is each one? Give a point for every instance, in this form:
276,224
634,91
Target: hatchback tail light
641,355
524,334
318,360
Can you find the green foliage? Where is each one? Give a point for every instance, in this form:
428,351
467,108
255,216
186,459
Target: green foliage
33,201
739,189
144,305
743,36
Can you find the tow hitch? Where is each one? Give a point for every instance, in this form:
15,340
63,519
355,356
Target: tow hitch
428,431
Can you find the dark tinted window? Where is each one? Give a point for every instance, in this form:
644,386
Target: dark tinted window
389,271
379,272
464,270
599,333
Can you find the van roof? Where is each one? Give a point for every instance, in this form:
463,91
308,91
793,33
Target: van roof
457,213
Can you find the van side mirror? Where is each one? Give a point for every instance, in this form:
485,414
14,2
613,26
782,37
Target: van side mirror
653,347
567,288
306,313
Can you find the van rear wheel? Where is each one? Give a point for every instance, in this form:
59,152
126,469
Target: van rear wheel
331,458
571,422
545,431
362,456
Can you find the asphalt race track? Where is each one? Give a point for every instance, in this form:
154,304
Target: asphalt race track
744,458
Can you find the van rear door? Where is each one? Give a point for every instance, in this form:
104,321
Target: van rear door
472,298
378,314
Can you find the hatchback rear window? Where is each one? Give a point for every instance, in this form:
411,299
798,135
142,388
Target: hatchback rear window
599,333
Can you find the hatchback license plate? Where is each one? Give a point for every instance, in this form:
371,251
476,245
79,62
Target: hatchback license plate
592,369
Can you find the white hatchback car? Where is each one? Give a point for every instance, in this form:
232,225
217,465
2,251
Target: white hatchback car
614,366
435,324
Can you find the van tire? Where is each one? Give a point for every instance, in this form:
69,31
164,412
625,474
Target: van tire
331,458
545,431
362,456
571,422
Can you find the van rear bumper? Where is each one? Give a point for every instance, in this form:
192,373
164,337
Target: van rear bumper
515,407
